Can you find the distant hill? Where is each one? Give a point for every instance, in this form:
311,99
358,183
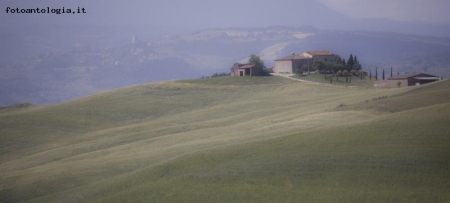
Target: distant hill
81,71
231,139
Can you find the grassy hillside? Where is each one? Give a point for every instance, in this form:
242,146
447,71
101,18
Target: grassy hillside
229,139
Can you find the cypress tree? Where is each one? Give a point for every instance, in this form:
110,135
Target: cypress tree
383,74
376,73
350,62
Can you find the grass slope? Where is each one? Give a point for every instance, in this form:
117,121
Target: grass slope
230,139
320,78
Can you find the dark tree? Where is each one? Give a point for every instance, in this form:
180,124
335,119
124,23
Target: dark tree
256,60
319,65
356,67
383,74
376,73
350,62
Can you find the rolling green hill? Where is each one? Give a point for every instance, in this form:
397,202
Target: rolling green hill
231,139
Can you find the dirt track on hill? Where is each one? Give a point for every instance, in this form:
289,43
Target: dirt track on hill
300,80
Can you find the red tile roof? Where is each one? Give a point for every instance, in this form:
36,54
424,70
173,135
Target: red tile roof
292,57
243,66
320,53
406,76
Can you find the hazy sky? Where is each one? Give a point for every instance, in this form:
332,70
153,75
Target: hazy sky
403,10
226,12
190,13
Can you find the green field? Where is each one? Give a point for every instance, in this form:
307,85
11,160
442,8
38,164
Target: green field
231,139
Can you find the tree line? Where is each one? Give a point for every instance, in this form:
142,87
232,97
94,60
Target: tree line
338,65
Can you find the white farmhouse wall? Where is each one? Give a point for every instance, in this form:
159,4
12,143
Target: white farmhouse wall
283,67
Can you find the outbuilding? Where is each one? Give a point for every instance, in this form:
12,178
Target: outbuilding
412,79
246,70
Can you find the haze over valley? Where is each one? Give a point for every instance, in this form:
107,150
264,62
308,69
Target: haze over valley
50,58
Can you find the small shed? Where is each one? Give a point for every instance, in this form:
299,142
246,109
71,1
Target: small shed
412,79
246,70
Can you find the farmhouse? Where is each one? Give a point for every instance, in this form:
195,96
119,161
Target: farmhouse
293,63
411,79
246,70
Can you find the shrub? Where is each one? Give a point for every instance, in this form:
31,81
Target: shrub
345,72
220,75
22,105
266,71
